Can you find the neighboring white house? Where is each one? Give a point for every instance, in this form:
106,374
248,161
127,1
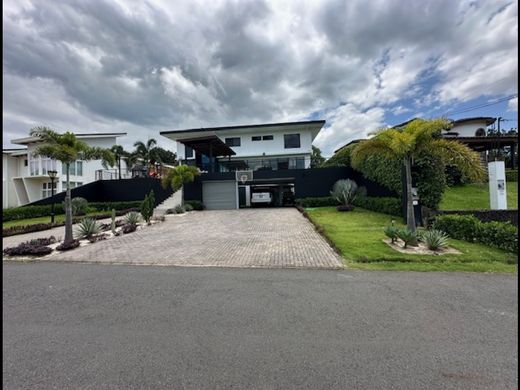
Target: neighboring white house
271,146
25,177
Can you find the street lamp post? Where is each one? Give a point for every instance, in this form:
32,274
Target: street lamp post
52,176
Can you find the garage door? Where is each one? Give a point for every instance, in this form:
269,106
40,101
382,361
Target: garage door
219,195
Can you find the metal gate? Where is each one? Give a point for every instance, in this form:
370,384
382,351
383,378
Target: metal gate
220,195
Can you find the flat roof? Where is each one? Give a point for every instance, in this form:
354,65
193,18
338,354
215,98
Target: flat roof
30,139
315,123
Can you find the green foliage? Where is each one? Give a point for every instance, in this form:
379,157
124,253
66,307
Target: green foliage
132,218
511,175
151,199
435,239
79,206
469,228
165,156
188,207
113,222
146,212
341,158
385,205
178,176
429,174
107,206
87,228
344,191
317,202
316,158
196,204
407,236
179,209
392,232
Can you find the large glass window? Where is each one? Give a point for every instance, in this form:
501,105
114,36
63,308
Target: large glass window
34,165
188,152
75,168
79,168
233,141
291,141
46,190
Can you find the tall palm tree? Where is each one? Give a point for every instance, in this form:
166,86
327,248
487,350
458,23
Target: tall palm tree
67,148
147,151
419,138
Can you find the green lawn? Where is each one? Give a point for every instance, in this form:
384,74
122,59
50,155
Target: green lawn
475,197
33,221
358,235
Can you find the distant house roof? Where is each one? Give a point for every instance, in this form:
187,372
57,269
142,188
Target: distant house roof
347,144
30,139
403,124
488,119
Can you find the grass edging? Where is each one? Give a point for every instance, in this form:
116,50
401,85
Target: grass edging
320,230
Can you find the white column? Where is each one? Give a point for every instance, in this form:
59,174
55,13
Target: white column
497,185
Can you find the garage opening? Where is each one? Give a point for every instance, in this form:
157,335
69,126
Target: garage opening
220,195
266,195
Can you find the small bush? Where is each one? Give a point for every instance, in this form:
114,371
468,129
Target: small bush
188,207
501,235
79,206
129,228
132,218
317,202
26,248
197,205
87,228
43,241
68,246
179,209
146,212
392,232
435,239
344,191
511,175
385,205
407,236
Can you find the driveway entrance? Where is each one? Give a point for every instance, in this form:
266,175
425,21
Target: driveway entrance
269,238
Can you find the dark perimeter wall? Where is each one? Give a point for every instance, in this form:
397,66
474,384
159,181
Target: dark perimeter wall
114,191
308,183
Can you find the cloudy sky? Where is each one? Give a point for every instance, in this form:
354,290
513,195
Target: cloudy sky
147,66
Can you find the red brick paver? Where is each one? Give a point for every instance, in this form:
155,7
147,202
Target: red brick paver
277,238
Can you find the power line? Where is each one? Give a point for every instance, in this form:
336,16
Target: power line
481,105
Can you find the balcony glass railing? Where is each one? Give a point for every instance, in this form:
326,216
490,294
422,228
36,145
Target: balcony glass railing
266,164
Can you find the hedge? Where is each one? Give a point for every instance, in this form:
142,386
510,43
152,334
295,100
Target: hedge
196,204
501,235
384,205
25,212
511,175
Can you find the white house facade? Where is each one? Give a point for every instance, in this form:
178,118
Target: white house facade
25,177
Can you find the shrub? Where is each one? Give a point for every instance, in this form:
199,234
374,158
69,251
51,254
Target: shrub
79,206
345,207
68,246
132,218
429,173
43,241
37,227
392,232
501,235
188,207
26,248
179,209
24,212
407,236
344,191
129,228
435,239
87,228
146,212
317,202
511,175
383,205
197,205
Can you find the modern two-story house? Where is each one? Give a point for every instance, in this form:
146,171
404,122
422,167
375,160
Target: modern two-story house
25,177
264,156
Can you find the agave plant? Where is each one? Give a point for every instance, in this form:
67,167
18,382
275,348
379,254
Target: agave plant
435,239
87,228
132,218
344,191
408,237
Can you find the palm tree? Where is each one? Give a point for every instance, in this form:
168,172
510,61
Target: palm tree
178,176
121,154
147,152
67,149
419,137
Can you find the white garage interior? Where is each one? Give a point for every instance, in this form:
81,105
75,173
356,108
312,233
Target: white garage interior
220,195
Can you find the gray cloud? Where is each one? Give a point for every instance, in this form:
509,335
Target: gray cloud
143,67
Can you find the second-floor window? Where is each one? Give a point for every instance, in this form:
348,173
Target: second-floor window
291,141
48,165
188,152
233,141
75,168
256,138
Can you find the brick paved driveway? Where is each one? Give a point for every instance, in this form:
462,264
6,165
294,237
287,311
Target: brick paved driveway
277,238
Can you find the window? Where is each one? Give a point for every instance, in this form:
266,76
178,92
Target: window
25,163
79,184
256,138
480,132
188,152
73,184
233,141
291,141
75,168
48,165
47,190
79,168
267,137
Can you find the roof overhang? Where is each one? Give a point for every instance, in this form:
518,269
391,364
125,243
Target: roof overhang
487,119
209,145
31,140
313,126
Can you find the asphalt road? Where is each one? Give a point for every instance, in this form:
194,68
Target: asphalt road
79,326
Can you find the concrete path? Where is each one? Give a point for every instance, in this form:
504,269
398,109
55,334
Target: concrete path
277,238
88,326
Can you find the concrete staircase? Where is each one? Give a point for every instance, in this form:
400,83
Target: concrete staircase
169,203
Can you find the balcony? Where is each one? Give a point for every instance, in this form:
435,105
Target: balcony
265,164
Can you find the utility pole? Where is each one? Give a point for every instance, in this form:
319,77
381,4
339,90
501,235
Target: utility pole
498,154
